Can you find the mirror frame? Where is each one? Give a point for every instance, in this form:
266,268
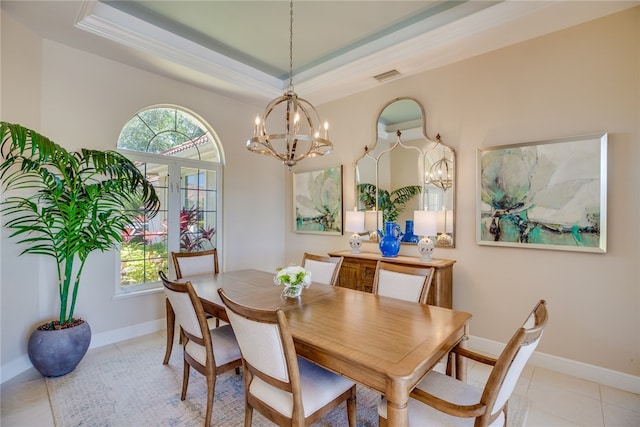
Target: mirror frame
429,146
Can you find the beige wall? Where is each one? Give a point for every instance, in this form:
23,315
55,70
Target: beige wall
578,81
81,100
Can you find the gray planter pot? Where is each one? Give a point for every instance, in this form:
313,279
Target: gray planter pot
57,352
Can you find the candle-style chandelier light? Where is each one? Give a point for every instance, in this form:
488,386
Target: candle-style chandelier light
294,127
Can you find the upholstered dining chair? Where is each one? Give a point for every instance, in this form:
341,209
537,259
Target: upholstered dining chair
324,269
401,281
195,263
189,264
285,388
208,351
441,400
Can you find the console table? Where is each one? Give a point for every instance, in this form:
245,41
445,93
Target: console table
358,270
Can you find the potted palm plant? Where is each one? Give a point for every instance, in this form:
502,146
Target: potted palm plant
66,205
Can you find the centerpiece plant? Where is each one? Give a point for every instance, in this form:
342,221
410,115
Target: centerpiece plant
66,205
294,278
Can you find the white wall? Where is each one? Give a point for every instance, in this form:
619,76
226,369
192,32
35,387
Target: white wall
81,100
578,81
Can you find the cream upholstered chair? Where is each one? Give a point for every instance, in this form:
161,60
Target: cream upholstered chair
440,400
195,263
208,351
404,282
189,264
285,388
324,269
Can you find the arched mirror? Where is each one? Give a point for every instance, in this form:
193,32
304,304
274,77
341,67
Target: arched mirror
405,171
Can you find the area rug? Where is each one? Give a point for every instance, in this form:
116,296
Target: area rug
134,388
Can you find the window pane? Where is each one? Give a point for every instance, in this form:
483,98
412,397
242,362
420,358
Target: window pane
198,214
144,248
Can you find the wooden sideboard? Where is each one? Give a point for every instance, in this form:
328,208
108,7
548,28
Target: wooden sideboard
358,270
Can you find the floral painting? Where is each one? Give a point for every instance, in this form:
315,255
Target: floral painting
318,201
546,195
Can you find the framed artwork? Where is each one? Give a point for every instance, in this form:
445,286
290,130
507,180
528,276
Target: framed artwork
317,201
545,195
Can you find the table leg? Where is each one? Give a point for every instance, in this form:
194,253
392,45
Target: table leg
397,414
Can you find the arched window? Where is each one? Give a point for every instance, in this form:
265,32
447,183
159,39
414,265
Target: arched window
182,157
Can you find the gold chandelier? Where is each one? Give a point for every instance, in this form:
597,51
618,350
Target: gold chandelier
299,135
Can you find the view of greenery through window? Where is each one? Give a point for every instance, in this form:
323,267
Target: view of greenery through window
175,135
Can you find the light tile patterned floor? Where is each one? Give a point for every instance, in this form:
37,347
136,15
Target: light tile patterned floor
556,399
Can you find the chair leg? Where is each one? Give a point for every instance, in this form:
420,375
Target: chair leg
351,408
185,380
211,386
171,321
248,415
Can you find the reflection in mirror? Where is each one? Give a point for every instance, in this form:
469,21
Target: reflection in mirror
438,189
405,171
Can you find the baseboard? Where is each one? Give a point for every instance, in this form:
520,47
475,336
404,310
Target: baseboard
122,334
574,368
23,364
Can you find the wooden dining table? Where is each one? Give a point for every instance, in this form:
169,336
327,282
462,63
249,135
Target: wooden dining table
383,343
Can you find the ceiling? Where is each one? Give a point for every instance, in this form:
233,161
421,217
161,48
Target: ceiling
241,48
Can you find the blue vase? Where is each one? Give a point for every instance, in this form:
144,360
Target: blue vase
408,236
390,242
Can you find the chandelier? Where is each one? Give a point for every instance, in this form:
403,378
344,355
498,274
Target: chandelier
441,172
295,132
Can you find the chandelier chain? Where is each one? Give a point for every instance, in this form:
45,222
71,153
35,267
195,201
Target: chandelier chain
291,45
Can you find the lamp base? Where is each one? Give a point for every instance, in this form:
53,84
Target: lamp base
426,248
444,239
355,241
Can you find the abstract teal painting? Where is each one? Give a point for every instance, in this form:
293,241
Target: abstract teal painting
317,200
544,194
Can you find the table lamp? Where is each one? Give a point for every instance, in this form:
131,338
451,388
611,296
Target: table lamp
445,226
425,224
354,223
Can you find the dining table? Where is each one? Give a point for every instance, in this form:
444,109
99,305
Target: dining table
383,343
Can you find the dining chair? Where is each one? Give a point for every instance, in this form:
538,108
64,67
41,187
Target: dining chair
285,388
441,400
324,269
195,263
189,264
401,281
208,351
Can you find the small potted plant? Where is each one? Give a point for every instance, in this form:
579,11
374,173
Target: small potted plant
294,278
75,203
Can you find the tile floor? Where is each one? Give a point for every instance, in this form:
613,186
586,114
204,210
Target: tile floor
555,399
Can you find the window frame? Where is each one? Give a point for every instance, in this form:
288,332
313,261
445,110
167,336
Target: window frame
175,165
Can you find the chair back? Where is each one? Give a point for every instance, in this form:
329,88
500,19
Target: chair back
195,263
188,309
266,344
324,269
404,282
506,372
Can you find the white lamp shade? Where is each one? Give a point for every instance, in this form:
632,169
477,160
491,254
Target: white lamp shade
373,220
425,223
445,221
354,222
